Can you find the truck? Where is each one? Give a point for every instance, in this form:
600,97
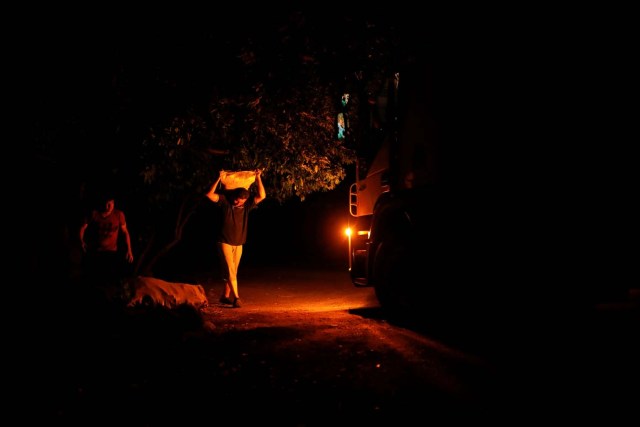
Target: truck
392,200
427,229
448,216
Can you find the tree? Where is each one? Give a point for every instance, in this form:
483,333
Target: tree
289,133
173,108
275,99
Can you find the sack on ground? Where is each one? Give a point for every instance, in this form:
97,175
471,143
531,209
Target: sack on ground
158,292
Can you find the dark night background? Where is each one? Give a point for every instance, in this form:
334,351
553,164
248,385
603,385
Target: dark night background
93,85
537,99
541,89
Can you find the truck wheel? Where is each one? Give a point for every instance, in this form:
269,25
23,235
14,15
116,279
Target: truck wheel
391,277
358,266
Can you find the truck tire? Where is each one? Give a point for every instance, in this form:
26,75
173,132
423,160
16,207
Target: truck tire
391,276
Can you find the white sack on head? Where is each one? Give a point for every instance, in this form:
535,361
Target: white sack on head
239,179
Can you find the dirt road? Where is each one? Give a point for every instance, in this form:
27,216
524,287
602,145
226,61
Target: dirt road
307,348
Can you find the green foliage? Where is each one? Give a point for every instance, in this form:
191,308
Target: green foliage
288,133
273,109
297,151
273,106
176,161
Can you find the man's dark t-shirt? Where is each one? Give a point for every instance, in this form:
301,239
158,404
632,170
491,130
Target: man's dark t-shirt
234,221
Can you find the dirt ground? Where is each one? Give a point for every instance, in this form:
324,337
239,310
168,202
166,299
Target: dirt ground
307,348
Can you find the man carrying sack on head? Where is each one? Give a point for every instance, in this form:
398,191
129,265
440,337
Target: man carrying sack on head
236,203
